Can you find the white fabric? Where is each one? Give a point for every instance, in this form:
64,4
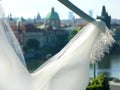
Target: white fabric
67,70
8,34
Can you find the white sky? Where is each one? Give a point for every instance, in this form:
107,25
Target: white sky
30,8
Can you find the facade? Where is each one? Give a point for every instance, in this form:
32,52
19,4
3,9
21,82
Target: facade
40,43
45,38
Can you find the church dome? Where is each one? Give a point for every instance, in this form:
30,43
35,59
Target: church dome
52,19
52,15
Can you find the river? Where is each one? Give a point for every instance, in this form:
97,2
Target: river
110,65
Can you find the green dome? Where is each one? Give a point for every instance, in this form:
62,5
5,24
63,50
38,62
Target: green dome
52,19
52,15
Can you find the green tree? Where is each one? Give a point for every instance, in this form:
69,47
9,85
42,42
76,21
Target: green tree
74,32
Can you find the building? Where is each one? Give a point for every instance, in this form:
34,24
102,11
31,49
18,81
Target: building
70,16
52,20
45,38
41,42
91,13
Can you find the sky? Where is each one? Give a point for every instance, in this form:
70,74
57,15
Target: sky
30,8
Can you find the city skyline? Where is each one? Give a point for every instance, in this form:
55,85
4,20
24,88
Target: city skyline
30,8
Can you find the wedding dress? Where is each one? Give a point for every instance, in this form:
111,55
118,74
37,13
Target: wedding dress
67,70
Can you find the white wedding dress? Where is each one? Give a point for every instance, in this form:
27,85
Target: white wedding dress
67,70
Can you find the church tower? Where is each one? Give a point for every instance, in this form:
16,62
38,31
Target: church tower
105,17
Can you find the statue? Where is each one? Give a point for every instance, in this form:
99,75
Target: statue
67,70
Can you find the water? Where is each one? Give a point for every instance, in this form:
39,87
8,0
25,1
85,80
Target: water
109,65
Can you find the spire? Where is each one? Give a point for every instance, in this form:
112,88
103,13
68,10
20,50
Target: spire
103,11
38,16
52,10
10,17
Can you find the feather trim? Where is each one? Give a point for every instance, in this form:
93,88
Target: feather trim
102,46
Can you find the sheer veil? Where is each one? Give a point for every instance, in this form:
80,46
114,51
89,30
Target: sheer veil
8,34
